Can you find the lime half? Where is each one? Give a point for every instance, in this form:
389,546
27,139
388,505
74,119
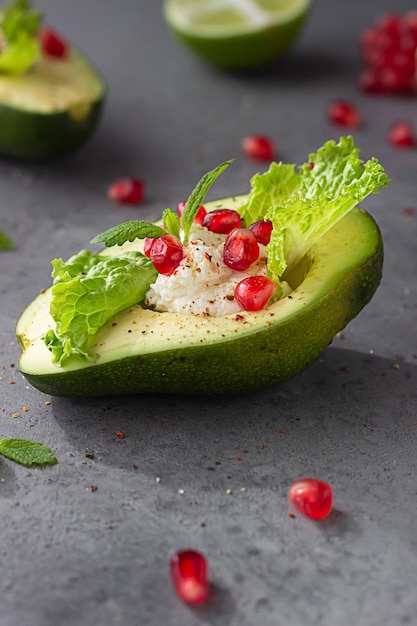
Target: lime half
237,34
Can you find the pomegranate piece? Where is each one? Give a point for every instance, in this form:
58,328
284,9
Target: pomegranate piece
344,113
127,191
52,44
200,215
262,231
240,249
166,254
189,574
253,292
388,51
311,497
259,147
222,221
147,245
402,135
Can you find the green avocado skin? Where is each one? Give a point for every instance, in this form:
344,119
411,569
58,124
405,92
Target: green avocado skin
256,361
36,136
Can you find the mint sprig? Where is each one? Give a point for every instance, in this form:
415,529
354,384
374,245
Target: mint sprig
128,231
139,229
197,196
26,452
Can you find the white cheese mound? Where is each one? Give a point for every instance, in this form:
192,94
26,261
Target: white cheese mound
202,284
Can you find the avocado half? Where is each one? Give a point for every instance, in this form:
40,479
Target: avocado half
51,110
141,350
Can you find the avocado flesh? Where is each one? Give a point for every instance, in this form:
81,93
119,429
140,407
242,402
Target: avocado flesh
141,350
51,110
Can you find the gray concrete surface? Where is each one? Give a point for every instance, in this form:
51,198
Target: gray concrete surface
75,557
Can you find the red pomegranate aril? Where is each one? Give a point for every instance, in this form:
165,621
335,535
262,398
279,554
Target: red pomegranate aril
241,249
402,135
345,114
200,215
262,231
222,221
311,497
259,147
52,44
189,574
127,191
147,246
166,254
253,292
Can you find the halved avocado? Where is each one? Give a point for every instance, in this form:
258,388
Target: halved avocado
141,350
52,109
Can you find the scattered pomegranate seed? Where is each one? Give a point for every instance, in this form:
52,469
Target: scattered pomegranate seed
402,135
127,190
388,51
240,249
200,215
222,221
52,44
189,574
311,497
259,147
262,231
253,292
166,254
345,114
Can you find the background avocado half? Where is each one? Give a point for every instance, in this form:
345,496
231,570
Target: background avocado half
141,350
52,109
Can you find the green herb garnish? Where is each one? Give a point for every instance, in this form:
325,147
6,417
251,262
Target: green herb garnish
26,452
19,27
137,229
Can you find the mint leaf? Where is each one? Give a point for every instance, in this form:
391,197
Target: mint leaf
19,27
27,452
171,222
5,242
89,290
128,231
197,196
304,204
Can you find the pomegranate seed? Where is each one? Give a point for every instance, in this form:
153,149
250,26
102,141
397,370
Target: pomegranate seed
345,114
52,44
127,190
200,215
241,249
189,574
311,497
253,292
147,245
166,254
222,221
402,135
262,231
259,147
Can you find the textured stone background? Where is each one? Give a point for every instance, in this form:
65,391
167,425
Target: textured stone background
71,556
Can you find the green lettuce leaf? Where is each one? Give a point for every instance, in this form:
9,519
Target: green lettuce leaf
19,26
88,290
304,204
